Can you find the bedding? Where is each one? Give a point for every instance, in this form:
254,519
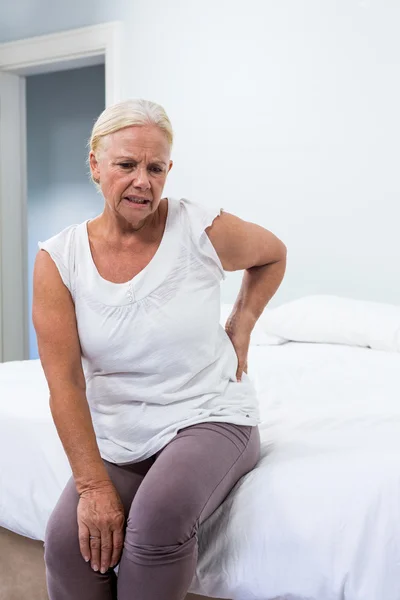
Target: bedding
319,516
334,320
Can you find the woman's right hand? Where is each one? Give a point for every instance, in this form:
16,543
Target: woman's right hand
101,515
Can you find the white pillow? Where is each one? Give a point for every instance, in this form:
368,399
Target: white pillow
259,337
334,320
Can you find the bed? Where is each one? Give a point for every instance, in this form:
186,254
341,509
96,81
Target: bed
319,517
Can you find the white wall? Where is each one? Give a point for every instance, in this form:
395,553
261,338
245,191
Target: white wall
286,113
61,110
28,18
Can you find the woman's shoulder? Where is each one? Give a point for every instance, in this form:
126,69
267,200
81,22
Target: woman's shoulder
197,215
63,237
61,248
195,218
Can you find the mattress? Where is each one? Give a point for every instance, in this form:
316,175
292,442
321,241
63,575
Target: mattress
318,518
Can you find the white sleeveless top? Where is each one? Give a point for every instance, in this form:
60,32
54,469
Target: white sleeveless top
154,354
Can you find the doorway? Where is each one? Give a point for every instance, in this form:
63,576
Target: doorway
61,108
74,50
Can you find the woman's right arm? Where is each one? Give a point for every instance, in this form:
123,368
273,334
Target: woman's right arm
100,511
54,320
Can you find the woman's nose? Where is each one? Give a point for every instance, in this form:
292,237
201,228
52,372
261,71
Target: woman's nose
141,179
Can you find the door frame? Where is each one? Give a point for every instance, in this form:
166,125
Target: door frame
86,46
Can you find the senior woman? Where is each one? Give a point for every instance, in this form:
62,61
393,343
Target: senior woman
149,394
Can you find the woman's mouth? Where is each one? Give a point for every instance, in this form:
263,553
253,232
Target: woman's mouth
137,200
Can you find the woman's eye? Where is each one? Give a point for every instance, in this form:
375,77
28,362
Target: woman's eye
126,165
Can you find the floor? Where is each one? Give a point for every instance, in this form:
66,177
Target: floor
22,573
21,555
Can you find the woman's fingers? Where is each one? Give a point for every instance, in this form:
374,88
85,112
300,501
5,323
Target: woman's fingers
242,367
118,544
84,541
100,513
240,338
103,548
95,550
106,550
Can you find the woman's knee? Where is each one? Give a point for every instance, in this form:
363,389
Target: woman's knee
61,544
163,521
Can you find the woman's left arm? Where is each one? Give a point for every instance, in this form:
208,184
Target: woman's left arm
245,246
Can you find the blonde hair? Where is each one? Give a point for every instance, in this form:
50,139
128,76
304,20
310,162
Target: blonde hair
125,114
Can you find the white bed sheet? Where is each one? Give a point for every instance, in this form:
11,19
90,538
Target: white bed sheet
319,517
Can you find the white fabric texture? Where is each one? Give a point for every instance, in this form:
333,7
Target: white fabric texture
318,518
336,320
155,357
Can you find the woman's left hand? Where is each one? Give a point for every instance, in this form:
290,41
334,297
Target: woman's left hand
239,334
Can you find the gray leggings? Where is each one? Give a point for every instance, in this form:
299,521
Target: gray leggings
165,498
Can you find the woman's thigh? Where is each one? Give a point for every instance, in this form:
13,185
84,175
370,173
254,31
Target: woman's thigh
189,479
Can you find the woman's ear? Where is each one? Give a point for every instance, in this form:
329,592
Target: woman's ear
94,167
171,164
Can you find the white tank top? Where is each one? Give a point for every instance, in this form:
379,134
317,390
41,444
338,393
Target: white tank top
154,354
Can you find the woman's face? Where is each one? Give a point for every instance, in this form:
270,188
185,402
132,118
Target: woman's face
131,167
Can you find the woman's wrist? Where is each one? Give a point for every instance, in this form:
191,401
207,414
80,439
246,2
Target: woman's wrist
95,481
243,317
95,490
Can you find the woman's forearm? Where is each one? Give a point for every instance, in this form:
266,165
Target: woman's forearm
259,285
73,421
